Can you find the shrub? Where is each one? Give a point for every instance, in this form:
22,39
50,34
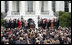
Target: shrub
2,22
65,19
61,12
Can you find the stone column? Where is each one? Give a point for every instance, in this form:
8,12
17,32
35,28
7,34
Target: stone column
9,7
57,6
69,7
37,8
2,6
50,8
22,8
62,5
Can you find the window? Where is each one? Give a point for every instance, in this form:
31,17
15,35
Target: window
17,6
66,6
6,6
42,8
53,6
30,6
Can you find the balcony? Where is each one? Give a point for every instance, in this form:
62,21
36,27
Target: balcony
15,13
30,13
45,13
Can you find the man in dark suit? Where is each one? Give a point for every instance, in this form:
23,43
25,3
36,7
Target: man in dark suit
13,23
48,24
10,23
6,24
56,23
41,22
16,23
23,24
29,21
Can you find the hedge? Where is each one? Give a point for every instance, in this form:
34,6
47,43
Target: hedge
65,19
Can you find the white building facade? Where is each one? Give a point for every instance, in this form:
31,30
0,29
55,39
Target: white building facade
33,9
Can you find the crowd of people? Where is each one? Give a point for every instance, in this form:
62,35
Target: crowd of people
19,23
48,32
46,23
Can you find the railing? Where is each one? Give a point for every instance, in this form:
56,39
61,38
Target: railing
15,13
33,12
45,12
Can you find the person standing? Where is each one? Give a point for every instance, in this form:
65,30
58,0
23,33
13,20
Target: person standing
6,23
10,23
57,23
16,23
52,25
26,24
43,24
19,23
23,24
48,24
39,23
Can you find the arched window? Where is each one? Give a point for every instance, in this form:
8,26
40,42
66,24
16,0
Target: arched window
66,6
30,6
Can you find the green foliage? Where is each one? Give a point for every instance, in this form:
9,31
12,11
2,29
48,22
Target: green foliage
1,15
65,19
2,22
60,13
